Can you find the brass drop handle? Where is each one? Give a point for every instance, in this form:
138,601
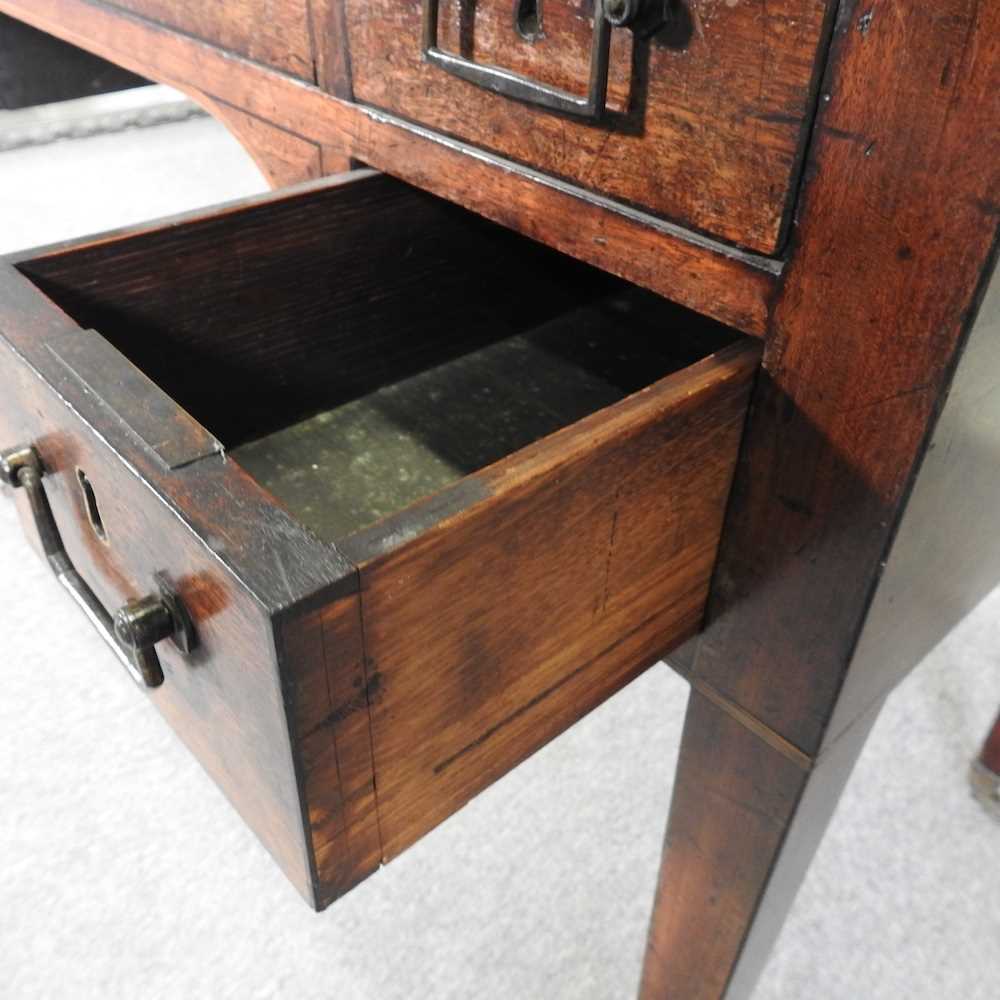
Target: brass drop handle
643,16
133,632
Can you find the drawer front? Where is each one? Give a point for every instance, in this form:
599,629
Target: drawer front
705,120
141,498
273,33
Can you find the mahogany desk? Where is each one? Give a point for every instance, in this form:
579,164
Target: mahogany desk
818,179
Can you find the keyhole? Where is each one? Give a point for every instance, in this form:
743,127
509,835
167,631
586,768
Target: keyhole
528,19
90,504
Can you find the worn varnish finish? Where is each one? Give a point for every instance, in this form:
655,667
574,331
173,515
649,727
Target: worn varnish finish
715,280
946,554
329,698
283,157
333,61
866,332
739,802
711,113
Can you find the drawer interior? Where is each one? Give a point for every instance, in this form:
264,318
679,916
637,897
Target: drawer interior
520,464
356,366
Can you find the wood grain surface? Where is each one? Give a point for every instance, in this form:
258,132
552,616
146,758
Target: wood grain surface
893,244
745,820
262,314
891,256
283,157
503,608
495,612
275,34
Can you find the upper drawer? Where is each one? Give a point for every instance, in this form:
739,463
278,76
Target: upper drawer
706,117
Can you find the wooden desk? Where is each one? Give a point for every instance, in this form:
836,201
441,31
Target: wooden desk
849,222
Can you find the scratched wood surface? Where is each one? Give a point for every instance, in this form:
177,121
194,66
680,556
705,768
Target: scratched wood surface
892,249
711,112
307,298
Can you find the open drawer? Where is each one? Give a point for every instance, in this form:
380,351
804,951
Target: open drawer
375,497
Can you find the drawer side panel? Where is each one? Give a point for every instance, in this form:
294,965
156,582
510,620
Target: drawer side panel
503,624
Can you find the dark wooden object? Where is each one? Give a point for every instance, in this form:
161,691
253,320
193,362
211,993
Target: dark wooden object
865,308
990,755
36,68
353,647
985,772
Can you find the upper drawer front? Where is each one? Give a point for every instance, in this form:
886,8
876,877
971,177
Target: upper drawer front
705,120
272,32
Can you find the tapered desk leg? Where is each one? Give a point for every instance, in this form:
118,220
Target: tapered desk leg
985,774
747,815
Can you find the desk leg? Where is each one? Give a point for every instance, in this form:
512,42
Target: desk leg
985,775
747,816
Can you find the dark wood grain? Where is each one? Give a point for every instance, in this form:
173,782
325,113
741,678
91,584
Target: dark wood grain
703,275
254,318
597,545
744,823
887,263
328,698
276,34
609,526
711,113
333,60
896,231
945,557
